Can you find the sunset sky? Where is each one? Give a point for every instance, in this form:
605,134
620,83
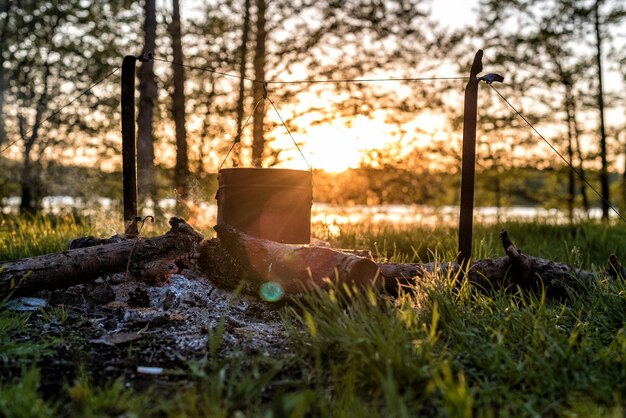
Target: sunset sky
335,147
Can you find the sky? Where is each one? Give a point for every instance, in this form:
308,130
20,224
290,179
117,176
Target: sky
454,13
336,148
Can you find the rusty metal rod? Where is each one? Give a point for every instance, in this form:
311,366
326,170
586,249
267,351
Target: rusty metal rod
129,146
468,168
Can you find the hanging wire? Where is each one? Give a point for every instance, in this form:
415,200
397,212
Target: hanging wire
206,69
291,136
342,80
559,154
238,137
60,109
136,240
366,80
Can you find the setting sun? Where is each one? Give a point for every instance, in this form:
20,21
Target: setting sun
335,147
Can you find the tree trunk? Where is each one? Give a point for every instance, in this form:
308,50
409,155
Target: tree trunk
26,184
571,189
498,192
243,50
581,167
146,175
236,258
181,171
258,139
624,182
80,265
604,171
3,135
298,268
29,202
3,47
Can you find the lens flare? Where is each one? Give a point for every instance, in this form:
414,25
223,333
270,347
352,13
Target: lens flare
271,292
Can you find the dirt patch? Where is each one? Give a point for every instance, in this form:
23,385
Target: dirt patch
147,333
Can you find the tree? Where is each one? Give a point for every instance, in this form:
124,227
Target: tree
146,176
181,171
335,40
212,41
258,135
604,170
5,12
601,22
548,44
50,57
243,60
621,57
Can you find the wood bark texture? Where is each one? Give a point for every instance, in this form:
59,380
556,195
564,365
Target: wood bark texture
296,268
300,268
258,136
147,97
80,265
181,170
235,259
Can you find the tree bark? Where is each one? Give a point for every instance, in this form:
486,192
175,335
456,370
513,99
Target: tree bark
296,268
571,189
235,258
258,138
243,50
3,47
181,170
146,175
300,268
27,180
624,183
604,171
581,167
80,265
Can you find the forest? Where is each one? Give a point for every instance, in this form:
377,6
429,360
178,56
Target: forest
201,94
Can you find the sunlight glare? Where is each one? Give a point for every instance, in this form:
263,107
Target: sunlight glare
335,147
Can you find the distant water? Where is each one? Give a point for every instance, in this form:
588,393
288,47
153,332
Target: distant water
206,213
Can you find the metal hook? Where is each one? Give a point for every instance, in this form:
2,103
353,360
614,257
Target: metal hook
492,77
265,89
145,56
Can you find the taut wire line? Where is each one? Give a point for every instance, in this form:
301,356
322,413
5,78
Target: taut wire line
240,132
206,69
328,81
291,136
60,109
559,154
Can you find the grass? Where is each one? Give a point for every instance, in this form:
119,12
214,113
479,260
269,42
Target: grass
442,350
28,236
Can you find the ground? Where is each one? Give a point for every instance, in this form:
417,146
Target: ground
439,350
120,327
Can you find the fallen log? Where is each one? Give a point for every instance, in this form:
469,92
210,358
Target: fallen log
299,268
235,257
80,265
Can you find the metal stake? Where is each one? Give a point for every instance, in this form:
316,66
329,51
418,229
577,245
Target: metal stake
129,146
468,168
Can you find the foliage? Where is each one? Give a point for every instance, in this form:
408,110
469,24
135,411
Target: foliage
51,51
440,349
22,400
87,400
447,349
30,235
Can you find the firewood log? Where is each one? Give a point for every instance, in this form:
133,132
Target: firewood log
297,268
81,265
